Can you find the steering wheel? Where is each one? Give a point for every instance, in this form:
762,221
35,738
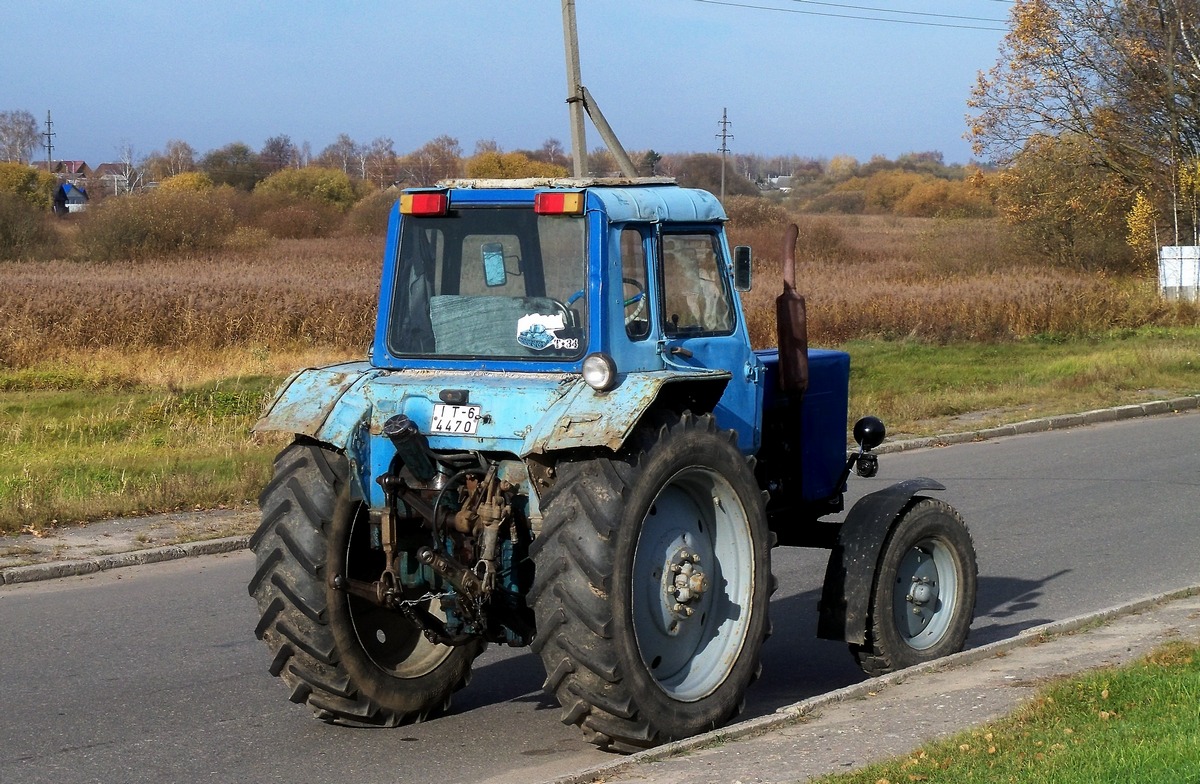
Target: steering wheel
637,301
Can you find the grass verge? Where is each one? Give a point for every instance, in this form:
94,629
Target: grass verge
1136,723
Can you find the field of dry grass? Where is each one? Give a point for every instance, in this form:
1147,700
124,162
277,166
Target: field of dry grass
883,277
863,276
290,295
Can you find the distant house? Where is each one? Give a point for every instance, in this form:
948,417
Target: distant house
783,184
72,171
69,198
115,177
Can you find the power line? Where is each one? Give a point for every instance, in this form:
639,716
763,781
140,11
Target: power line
903,13
860,17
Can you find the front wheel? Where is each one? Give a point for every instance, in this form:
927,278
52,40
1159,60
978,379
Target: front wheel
652,584
923,598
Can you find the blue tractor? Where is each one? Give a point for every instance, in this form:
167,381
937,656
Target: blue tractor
562,438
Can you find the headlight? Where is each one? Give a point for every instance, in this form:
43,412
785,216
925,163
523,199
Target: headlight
600,372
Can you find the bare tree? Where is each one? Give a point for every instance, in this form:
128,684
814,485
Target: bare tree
19,136
435,160
379,162
342,154
278,152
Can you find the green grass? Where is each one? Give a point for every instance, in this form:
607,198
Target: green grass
89,449
923,389
1139,723
80,444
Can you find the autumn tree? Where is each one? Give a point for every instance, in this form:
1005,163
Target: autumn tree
1121,76
704,171
312,183
186,181
378,161
18,136
28,184
511,165
1066,206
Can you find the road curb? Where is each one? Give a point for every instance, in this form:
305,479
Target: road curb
797,712
1043,424
102,563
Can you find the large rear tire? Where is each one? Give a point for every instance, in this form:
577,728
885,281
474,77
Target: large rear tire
923,598
346,658
652,584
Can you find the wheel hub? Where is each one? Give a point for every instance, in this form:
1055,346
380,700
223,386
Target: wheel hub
686,582
921,600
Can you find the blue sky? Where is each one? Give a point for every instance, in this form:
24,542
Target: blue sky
793,81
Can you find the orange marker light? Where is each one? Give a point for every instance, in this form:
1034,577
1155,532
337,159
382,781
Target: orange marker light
558,203
424,204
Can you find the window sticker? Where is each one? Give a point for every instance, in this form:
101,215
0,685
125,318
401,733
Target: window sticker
539,332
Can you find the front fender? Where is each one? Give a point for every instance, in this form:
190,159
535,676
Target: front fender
850,575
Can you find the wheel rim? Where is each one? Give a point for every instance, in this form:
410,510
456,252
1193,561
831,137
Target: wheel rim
693,582
926,593
392,642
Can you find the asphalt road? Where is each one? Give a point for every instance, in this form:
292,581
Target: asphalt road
152,674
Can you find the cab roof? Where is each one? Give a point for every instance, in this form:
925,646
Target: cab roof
649,199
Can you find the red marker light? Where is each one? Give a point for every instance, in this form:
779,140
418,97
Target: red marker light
425,204
558,203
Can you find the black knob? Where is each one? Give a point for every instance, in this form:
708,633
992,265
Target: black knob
869,432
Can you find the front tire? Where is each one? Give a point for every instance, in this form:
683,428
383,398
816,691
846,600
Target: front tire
346,658
923,598
652,585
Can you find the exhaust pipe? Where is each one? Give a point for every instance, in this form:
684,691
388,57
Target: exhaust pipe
791,323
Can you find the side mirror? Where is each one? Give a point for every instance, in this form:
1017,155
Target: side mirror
494,273
741,267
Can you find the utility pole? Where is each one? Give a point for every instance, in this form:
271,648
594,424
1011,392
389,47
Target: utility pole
581,100
724,136
575,101
49,135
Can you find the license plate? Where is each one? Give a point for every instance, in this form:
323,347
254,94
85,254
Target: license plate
455,419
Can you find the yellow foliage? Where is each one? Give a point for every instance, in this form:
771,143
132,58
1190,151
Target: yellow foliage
32,186
510,165
187,181
1141,221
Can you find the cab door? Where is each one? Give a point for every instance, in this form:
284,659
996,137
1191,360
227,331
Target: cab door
701,323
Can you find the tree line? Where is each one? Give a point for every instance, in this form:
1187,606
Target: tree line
1089,122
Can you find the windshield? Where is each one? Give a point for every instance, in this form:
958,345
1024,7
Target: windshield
490,282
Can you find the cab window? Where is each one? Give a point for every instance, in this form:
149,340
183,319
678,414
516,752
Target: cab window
696,299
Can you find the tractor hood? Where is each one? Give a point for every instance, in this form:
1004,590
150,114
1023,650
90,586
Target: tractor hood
518,413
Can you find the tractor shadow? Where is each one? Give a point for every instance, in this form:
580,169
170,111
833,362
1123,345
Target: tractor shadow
796,665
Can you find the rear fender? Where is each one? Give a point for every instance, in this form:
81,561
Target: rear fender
850,575
327,405
587,418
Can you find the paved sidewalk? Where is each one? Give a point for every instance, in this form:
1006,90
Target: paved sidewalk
895,714
127,541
